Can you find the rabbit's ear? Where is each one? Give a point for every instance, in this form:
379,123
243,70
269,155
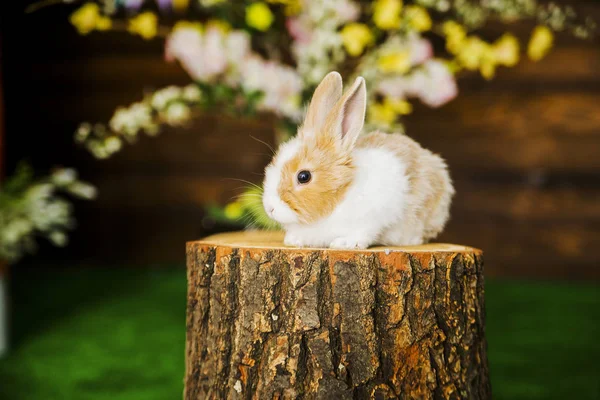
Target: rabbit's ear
347,118
324,99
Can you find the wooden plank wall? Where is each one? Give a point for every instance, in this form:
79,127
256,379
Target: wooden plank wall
524,151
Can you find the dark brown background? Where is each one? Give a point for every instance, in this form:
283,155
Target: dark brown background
524,150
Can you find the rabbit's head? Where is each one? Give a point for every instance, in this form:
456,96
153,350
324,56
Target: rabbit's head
310,174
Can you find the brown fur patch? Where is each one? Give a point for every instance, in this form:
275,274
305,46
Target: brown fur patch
332,173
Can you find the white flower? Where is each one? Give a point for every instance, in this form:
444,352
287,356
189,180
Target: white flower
58,238
83,190
318,56
191,93
13,232
237,47
112,144
121,121
177,113
97,149
128,121
160,98
44,214
39,192
83,132
317,45
333,12
252,74
64,176
141,113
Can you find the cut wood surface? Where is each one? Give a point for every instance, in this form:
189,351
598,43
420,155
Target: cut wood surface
266,321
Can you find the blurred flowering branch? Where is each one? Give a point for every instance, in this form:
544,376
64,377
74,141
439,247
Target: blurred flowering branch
169,106
267,56
386,41
30,207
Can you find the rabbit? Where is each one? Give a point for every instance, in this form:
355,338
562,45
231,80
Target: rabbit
331,187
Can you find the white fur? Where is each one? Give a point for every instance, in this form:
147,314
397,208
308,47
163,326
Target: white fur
274,206
373,204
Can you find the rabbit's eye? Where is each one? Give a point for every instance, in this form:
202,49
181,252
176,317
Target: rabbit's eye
304,177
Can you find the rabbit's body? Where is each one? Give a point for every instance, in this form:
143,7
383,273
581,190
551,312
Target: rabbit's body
332,187
391,201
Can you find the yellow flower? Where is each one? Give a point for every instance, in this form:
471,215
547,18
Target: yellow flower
396,62
488,62
188,25
386,13
418,18
476,54
540,43
488,69
401,107
210,3
355,37
103,23
180,5
452,65
455,36
382,114
259,16
387,112
233,210
145,25
506,50
292,7
223,26
87,18
472,52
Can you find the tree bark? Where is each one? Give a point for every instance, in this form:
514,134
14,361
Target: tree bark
266,321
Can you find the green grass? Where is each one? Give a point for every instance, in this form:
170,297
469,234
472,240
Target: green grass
119,334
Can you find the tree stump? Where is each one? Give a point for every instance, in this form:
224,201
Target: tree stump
266,321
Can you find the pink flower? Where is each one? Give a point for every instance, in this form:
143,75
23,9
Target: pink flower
396,87
442,87
204,56
348,11
133,5
237,47
299,30
252,74
280,85
163,4
433,84
215,59
420,50
185,45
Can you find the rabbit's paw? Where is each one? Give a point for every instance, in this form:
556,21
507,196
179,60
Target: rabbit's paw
294,240
349,243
